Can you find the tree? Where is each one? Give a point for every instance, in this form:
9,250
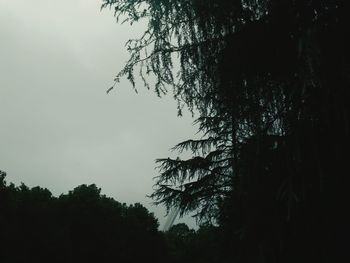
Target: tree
188,245
80,226
275,75
201,181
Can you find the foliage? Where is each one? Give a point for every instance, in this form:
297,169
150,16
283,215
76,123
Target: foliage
270,81
187,245
80,226
199,182
86,226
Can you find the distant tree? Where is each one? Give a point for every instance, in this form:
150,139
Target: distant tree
80,226
180,230
188,245
179,241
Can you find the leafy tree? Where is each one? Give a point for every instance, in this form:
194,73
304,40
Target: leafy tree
188,245
80,226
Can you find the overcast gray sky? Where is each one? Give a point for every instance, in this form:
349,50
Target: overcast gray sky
58,127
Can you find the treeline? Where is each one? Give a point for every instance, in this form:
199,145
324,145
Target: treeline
80,226
87,226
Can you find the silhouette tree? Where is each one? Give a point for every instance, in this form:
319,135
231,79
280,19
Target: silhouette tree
80,226
187,245
275,76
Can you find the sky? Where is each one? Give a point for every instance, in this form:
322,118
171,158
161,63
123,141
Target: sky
59,128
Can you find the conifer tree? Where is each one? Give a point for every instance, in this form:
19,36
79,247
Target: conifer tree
270,81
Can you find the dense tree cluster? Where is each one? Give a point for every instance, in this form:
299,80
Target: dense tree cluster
80,226
86,226
187,245
270,80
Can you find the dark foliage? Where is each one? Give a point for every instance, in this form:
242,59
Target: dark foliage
270,80
186,245
85,226
81,226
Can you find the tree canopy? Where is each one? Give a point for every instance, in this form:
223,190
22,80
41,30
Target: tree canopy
80,226
84,225
270,81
